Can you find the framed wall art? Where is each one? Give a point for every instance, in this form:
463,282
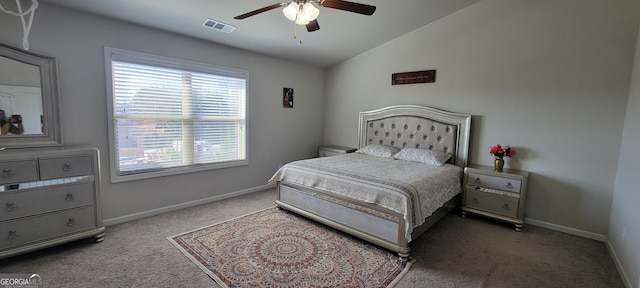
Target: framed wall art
287,97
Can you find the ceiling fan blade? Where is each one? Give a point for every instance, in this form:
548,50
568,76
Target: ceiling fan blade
263,9
348,6
313,26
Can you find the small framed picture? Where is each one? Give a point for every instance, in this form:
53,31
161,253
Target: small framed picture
287,97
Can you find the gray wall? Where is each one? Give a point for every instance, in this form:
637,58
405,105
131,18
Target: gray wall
624,227
276,135
550,78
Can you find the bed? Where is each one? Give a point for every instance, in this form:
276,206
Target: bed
373,196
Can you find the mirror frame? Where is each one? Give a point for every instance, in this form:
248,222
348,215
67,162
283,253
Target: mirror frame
52,132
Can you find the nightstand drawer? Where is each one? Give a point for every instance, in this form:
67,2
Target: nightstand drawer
499,183
333,150
498,204
324,153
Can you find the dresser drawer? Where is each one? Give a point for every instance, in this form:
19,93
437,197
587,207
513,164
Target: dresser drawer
498,204
30,202
42,227
492,182
18,171
51,168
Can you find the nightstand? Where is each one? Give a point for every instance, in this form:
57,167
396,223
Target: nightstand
332,150
498,195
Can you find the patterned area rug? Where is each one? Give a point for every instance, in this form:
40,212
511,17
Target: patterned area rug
275,248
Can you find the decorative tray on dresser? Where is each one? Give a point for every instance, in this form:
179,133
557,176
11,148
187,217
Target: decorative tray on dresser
498,195
48,197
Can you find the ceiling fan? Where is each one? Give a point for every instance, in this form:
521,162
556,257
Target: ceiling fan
304,12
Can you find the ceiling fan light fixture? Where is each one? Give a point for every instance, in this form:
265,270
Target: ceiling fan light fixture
301,18
305,12
291,11
310,11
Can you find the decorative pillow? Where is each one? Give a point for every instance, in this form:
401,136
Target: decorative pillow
424,156
378,150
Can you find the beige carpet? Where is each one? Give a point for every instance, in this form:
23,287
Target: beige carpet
456,252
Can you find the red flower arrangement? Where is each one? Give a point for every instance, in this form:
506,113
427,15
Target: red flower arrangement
501,150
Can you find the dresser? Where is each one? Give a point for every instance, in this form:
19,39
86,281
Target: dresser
48,197
332,150
498,195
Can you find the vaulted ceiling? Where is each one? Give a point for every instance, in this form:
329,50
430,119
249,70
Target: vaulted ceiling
342,34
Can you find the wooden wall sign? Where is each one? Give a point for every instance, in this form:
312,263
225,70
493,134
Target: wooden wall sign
426,76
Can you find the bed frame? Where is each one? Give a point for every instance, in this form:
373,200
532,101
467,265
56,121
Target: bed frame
399,126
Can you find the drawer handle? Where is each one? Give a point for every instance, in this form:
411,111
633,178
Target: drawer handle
477,180
10,206
475,200
66,167
71,222
6,172
13,234
505,207
69,197
509,185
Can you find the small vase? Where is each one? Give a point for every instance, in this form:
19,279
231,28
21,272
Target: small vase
498,164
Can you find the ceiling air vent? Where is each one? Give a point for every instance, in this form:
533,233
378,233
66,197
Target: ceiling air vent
213,24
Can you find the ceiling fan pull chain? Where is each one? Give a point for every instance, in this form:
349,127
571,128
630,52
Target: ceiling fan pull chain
295,35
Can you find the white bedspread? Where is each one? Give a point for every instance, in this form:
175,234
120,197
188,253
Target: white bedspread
414,190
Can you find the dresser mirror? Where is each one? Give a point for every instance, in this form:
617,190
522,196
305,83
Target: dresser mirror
28,99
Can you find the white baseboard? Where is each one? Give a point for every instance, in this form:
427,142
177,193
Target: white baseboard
614,255
565,229
590,235
135,216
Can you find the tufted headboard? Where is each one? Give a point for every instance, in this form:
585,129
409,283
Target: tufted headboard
416,126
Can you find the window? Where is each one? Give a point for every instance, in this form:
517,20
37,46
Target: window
169,116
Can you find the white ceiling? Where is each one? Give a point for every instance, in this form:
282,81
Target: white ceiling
342,34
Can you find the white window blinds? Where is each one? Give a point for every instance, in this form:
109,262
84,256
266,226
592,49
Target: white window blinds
166,117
